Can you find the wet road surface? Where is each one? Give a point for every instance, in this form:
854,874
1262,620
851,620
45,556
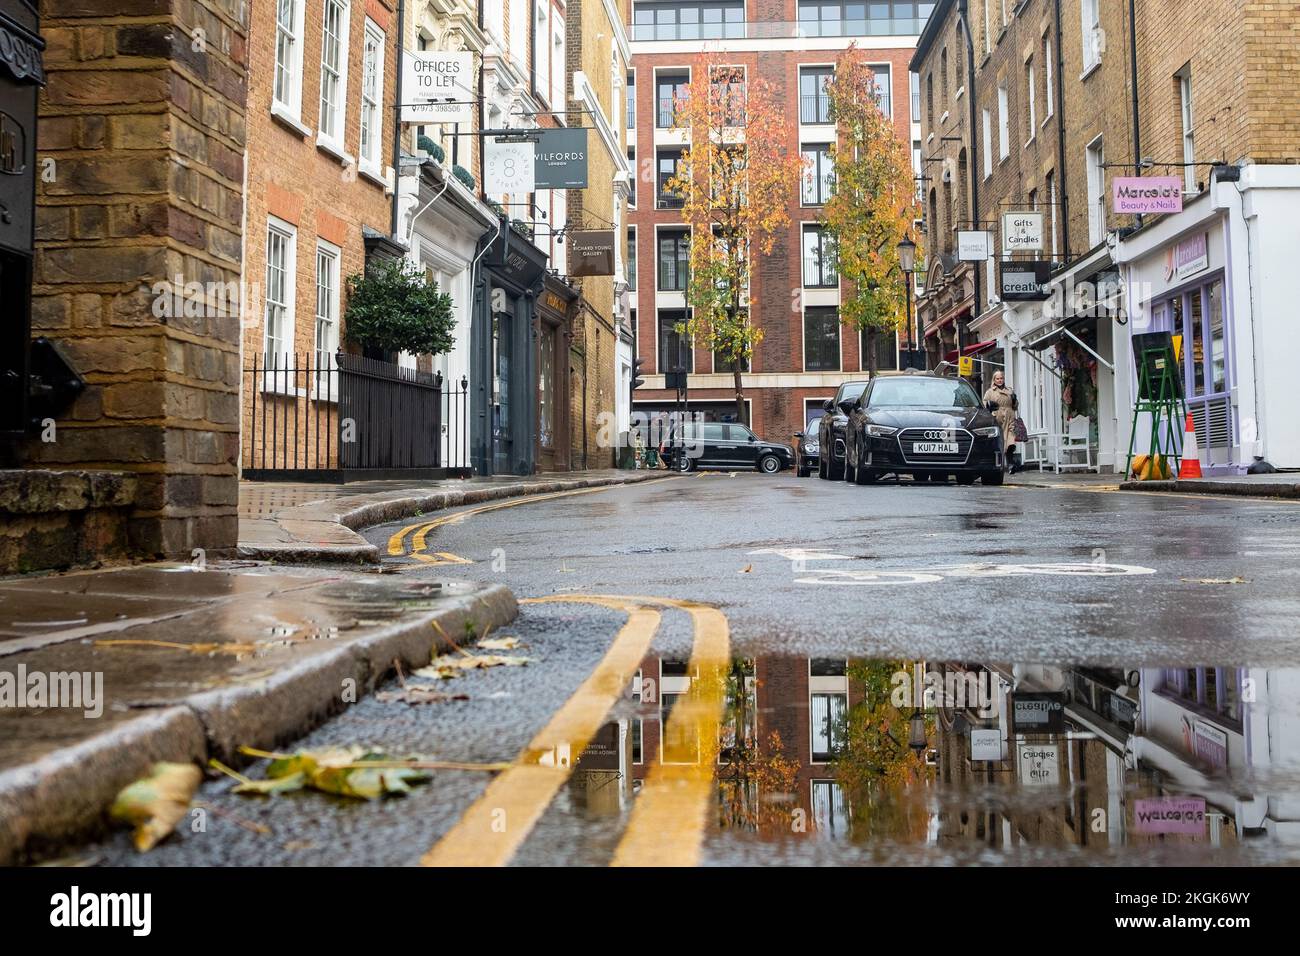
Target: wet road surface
1102,677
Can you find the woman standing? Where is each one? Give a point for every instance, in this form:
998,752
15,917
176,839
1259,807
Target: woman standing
1002,402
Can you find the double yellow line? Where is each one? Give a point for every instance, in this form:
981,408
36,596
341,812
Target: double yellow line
668,820
419,533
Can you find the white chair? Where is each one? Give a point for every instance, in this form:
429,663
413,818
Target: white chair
1076,439
1033,450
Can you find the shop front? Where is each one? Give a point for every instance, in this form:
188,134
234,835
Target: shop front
1181,287
554,414
503,351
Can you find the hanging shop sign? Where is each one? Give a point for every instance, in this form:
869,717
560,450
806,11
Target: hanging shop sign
1039,764
1146,194
437,87
591,252
973,245
1170,815
561,158
1209,744
1024,281
985,744
1022,232
1042,713
508,167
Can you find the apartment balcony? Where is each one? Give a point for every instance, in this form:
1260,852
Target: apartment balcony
819,274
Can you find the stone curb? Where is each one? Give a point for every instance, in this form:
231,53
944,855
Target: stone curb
1208,486
313,525
63,796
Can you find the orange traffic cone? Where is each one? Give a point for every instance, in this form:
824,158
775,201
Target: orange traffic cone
1191,466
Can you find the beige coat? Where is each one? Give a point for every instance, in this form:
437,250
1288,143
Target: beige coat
1004,413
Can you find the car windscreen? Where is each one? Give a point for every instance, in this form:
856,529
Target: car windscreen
922,393
852,391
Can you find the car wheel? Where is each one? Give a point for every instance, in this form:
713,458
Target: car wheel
802,472
685,463
865,476
769,464
965,479
992,477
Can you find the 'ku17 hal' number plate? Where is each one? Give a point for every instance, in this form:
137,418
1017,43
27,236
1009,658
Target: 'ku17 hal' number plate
934,448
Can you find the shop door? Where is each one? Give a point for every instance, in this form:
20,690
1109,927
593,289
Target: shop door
502,349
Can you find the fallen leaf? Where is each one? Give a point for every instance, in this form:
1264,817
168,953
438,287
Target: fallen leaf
417,694
1236,580
155,804
498,643
448,666
746,569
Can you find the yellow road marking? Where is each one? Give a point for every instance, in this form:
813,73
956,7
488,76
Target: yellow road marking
494,827
420,531
440,557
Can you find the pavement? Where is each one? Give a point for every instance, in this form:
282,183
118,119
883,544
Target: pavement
306,522
187,662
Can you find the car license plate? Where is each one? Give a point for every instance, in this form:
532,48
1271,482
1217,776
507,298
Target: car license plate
934,448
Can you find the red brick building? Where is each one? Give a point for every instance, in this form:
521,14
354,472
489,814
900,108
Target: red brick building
793,44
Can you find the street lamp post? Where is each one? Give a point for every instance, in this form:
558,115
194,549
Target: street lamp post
907,265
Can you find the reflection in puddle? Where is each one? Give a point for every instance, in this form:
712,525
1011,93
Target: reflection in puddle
953,762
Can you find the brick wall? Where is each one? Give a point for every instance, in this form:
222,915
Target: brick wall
323,196
776,413
141,148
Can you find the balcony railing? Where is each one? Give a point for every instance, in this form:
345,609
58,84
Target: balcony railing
819,274
779,29
814,108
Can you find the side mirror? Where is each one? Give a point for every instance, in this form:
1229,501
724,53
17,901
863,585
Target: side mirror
828,405
753,438
798,434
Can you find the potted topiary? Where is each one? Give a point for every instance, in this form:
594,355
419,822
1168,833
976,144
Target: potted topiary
393,307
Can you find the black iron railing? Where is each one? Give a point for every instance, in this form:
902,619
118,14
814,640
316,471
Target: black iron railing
338,417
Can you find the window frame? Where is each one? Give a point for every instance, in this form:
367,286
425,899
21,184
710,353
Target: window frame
823,311
336,112
820,166
370,157
289,105
329,252
288,233
680,235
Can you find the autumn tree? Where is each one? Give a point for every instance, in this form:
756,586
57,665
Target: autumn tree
872,204
735,180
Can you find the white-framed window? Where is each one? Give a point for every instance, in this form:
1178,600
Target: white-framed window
286,92
333,72
1004,124
882,77
1049,95
829,810
828,713
558,71
987,30
1189,128
542,49
1095,162
1092,36
519,33
372,99
327,303
277,325
1032,101
988,144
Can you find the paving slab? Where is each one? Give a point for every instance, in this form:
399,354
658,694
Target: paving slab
172,663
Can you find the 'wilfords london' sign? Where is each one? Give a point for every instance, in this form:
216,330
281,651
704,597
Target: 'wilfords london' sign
1147,194
560,159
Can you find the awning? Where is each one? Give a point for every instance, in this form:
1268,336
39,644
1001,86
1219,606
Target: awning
973,349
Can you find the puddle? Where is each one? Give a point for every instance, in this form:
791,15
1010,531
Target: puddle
905,761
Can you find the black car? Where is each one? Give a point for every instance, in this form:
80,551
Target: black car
929,426
830,429
723,445
807,452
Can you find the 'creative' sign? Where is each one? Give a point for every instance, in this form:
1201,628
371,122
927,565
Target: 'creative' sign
1147,194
